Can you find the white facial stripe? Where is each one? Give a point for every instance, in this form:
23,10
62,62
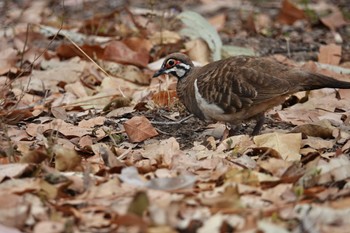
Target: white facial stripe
209,110
185,66
180,72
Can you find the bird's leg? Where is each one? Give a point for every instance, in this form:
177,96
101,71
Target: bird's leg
260,119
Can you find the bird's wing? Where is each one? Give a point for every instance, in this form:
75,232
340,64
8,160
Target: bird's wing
233,87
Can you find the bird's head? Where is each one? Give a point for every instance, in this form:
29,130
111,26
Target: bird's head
177,64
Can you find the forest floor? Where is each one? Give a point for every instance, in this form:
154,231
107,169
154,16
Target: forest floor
90,142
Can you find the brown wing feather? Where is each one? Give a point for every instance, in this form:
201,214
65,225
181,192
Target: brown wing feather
239,85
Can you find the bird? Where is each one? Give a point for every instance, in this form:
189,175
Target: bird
239,88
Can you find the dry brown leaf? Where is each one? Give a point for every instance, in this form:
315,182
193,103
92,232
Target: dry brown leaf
8,59
14,170
263,23
130,73
274,166
59,113
138,44
85,142
66,159
63,127
92,122
288,145
6,229
323,129
334,20
289,13
198,50
55,71
108,157
120,112
218,21
334,170
162,151
34,156
242,177
318,143
69,51
330,54
165,98
76,88
14,210
275,194
165,37
239,143
139,129
17,135
119,52
49,227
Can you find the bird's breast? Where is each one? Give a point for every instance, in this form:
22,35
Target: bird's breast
210,110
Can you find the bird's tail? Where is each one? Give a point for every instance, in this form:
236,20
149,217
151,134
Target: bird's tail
311,81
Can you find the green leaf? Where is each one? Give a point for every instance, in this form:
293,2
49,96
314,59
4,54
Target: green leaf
199,27
139,204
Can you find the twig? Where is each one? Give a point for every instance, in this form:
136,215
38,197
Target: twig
123,155
171,122
288,47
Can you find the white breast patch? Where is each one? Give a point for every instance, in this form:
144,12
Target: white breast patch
209,110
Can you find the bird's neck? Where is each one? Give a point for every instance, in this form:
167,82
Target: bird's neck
186,93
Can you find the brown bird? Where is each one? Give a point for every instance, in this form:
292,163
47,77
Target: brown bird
239,88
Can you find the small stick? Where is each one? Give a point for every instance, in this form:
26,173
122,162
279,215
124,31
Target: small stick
171,122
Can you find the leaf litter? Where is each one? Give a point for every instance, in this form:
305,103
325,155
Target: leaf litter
91,143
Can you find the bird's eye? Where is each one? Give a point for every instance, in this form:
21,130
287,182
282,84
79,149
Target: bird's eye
170,63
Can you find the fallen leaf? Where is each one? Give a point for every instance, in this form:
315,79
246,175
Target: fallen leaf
14,210
317,143
198,51
92,122
165,98
63,127
180,182
274,166
199,27
66,159
139,204
130,73
59,113
15,170
330,54
139,129
289,13
288,145
8,59
323,129
334,20
69,51
109,158
334,170
49,227
239,143
218,21
118,52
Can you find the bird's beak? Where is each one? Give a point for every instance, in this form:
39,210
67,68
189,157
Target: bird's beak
159,72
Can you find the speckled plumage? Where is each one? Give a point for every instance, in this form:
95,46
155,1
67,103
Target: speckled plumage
242,87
